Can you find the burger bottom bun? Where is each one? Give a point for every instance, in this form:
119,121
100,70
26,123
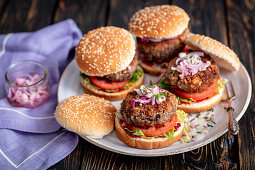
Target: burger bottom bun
88,88
202,106
143,143
152,70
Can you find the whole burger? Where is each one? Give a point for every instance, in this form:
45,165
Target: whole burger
160,31
193,75
149,119
108,64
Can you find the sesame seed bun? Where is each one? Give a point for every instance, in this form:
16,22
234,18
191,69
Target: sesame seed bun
202,106
222,55
145,143
88,88
163,21
105,50
86,115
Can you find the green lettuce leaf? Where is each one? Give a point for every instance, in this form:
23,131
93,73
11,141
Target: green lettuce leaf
163,85
86,80
182,116
221,85
83,75
184,100
170,134
135,132
115,90
136,76
138,132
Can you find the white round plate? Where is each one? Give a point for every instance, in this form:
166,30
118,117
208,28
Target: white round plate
69,85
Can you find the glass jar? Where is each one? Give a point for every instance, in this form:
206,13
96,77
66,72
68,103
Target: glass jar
27,84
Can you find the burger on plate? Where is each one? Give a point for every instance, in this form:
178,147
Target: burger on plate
160,31
149,119
108,63
194,76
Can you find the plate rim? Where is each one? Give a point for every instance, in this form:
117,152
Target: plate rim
190,148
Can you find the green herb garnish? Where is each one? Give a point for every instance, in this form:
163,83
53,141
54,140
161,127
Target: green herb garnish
209,125
192,119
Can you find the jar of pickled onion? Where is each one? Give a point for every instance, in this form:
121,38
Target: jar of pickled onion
27,84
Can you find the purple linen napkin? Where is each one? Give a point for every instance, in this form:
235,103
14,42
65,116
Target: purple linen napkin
49,46
25,151
30,138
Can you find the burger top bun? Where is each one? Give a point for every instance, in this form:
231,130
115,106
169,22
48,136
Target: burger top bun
86,115
222,55
105,50
165,21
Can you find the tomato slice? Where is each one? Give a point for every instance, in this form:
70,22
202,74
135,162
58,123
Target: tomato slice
196,96
185,48
107,84
154,131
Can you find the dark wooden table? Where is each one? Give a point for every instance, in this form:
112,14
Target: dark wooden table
229,21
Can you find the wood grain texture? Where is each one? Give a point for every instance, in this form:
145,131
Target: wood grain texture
120,13
206,17
230,21
241,24
25,15
88,14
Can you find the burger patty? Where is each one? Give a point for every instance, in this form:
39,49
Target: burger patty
125,74
146,115
160,51
193,83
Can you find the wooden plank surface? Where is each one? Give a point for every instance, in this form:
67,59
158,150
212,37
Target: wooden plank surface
88,14
230,21
26,15
241,24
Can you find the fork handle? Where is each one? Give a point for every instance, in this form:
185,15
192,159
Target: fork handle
233,125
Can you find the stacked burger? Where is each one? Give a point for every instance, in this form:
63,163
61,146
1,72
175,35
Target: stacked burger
160,32
108,63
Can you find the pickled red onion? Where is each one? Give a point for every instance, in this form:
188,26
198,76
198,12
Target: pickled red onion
30,96
190,63
151,94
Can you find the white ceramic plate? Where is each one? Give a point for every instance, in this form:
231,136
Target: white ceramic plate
69,85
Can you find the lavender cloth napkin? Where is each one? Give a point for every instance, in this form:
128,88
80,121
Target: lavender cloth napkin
30,138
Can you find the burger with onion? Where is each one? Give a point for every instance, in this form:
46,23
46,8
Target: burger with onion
108,63
149,119
160,31
193,75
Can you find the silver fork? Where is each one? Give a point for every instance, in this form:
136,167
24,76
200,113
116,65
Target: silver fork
233,125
